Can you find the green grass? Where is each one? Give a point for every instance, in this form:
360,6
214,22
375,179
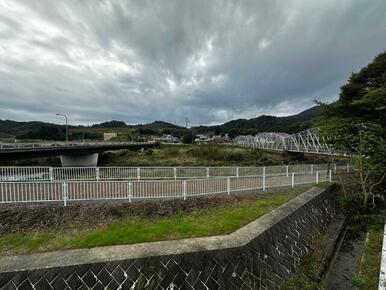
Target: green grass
307,275
31,241
200,155
216,221
201,222
367,274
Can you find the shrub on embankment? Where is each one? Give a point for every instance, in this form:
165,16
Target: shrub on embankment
203,155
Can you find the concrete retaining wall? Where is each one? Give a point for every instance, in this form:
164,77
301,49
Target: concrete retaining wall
260,255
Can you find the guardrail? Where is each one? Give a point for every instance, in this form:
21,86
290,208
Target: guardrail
18,174
32,192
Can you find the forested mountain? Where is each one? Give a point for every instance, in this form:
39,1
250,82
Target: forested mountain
41,130
110,124
159,128
48,131
31,130
289,124
156,125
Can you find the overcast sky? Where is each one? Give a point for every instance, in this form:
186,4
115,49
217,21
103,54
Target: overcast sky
212,61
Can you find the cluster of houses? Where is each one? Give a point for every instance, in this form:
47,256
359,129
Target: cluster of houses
199,139
168,138
206,139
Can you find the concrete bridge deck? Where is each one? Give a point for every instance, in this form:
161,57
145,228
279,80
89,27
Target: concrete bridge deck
72,154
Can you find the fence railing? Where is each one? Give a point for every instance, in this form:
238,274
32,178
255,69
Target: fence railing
65,191
25,174
8,146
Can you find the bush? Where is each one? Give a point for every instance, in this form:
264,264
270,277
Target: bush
234,156
209,152
171,151
187,138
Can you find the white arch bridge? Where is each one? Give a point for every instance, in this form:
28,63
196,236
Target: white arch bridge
307,141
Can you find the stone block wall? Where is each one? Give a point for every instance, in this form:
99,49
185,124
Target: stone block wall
261,255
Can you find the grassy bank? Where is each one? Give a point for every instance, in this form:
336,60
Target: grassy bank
186,155
367,272
368,268
222,219
201,155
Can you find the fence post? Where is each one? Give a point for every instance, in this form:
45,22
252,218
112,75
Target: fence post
348,167
138,173
51,171
264,172
335,168
317,177
207,172
175,173
97,173
312,168
184,189
237,172
228,185
287,170
130,190
329,175
64,193
264,181
293,180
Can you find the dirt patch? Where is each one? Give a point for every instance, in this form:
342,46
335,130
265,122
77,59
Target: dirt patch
21,219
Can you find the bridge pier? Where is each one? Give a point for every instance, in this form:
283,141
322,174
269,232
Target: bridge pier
79,160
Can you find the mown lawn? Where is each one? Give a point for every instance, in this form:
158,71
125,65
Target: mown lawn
223,219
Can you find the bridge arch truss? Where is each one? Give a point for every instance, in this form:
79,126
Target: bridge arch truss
307,141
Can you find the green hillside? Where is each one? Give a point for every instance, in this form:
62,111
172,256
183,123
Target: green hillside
290,124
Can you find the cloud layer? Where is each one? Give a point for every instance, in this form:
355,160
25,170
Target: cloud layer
211,61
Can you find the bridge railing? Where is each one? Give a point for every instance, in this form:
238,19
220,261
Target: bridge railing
9,146
285,142
25,174
131,190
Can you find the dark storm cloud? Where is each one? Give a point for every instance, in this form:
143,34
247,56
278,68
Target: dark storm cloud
139,61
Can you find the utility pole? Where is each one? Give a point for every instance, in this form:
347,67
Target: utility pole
65,116
186,122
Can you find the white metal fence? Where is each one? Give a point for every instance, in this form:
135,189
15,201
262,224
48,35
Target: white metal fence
65,191
382,271
26,174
